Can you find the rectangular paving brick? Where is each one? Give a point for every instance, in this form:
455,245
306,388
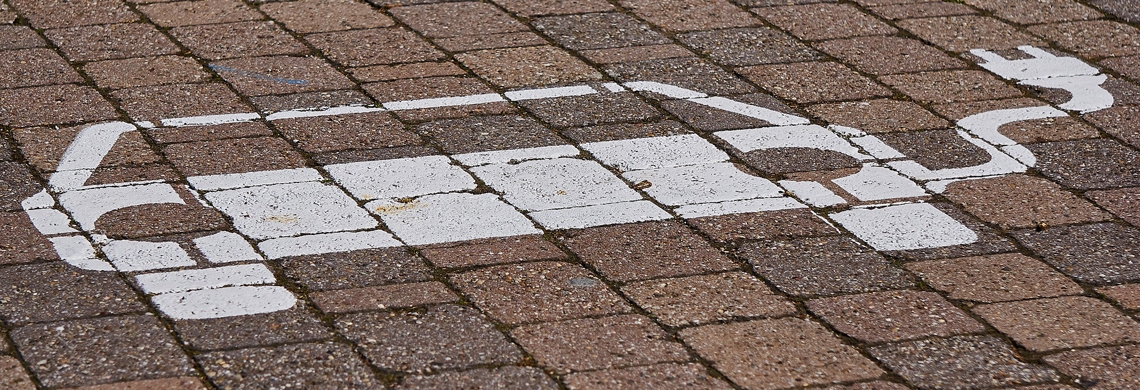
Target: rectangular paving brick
186,13
309,16
541,291
1033,13
692,73
598,31
589,110
357,47
345,132
508,377
1124,202
280,75
160,219
242,39
645,251
208,133
19,184
356,269
635,53
1057,323
881,55
527,66
811,82
43,147
894,316
748,46
490,41
1109,368
52,105
310,100
1127,66
463,18
994,278
763,225
771,354
406,71
922,10
19,37
951,86
32,67
705,118
492,251
962,362
21,241
323,365
1118,122
824,21
963,33
155,103
879,116
233,156
175,383
1096,38
823,266
1025,132
382,297
112,41
1097,253
664,376
63,13
553,7
295,324
146,71
688,15
481,134
626,131
1021,201
695,300
1088,164
614,342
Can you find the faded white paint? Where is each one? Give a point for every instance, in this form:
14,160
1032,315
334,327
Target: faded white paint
806,136
315,244
874,182
555,184
226,247
812,193
738,207
251,179
87,205
208,278
398,178
706,183
224,302
904,227
598,215
656,152
516,155
127,255
452,217
283,210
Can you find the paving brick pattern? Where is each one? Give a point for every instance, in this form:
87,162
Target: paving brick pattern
1046,297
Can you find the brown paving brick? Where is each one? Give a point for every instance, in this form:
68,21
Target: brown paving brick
113,349
878,385
50,105
63,13
542,291
112,41
1088,164
748,46
309,16
1020,201
1124,93
490,41
344,132
788,160
1064,322
146,71
823,266
480,134
809,82
364,268
1102,368
208,133
994,278
443,337
702,299
957,111
645,251
178,100
705,118
665,376
123,174
324,365
32,67
1124,9
1097,38
824,21
778,3
527,66
359,155
626,131
1118,121
233,156
963,362
963,33
1030,131
589,110
894,316
508,377
1126,295
690,73
769,354
310,100
382,297
492,251
16,184
186,13
454,19
889,55
879,116
951,86
553,7
159,219
688,15
923,10
875,3
598,31
43,147
373,47
614,342
763,225
19,37
1101,253
1047,11
635,53
242,39
288,326
177,383
21,242
280,75
13,376
434,87
406,71
1124,202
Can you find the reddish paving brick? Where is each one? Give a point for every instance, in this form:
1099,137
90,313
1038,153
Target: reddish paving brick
1123,9
492,251
823,266
613,342
309,16
1020,201
146,71
509,377
702,299
1046,11
114,349
356,269
373,47
705,118
160,219
345,132
589,110
748,46
13,376
1104,368
666,376
626,131
32,67
645,251
994,278
21,242
325,365
233,156
553,7
770,354
490,41
688,15
63,13
527,66
967,32
124,174
480,134
1125,203
963,362
310,100
894,316
18,184
598,31
1126,295
951,86
1099,253
542,291
43,147
435,87
52,105
635,53
1064,322
1096,38
187,13
382,297
923,10
788,160
280,75
443,337
58,291
406,71
1118,121
112,41
19,37
763,225
810,82
878,385
454,19
178,383
155,103
207,133
1127,66
890,55
296,324
690,73
1088,164
242,39
879,116
824,21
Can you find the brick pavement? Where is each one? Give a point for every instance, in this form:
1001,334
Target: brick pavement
580,194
